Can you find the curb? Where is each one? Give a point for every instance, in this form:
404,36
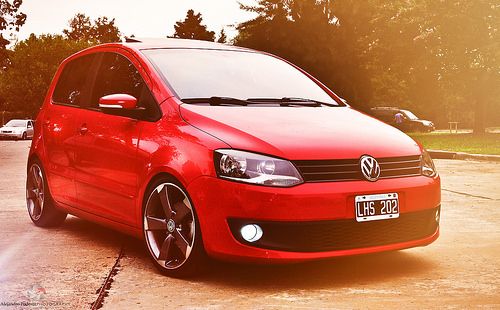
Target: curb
438,154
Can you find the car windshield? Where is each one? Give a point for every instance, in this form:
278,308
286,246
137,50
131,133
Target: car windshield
409,115
197,73
16,123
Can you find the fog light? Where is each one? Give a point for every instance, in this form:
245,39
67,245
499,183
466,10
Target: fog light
251,232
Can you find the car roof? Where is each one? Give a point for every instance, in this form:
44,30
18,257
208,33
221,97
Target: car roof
138,44
19,120
172,43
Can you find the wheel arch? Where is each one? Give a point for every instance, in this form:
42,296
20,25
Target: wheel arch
154,178
165,172
32,157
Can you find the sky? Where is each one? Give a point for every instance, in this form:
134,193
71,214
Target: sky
144,18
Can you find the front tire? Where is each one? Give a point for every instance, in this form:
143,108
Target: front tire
25,136
171,230
41,206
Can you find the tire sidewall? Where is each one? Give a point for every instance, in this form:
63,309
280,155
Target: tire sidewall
51,216
45,196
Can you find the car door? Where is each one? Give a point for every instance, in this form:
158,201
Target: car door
59,127
106,165
29,129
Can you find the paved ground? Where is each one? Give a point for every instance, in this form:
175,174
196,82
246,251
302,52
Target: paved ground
64,267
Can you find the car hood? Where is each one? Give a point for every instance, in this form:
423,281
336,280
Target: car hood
301,132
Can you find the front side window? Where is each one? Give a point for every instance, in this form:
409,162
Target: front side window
70,88
117,75
197,73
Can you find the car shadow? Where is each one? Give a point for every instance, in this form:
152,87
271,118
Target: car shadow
330,273
99,235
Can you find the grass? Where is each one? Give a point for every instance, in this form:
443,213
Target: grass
460,142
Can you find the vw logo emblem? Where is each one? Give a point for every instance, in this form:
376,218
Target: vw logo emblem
170,226
369,168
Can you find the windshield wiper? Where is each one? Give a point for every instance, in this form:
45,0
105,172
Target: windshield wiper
217,101
288,101
284,102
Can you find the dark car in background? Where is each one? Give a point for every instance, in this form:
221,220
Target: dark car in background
409,122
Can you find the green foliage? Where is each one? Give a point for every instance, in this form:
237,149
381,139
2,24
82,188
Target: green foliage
101,30
308,34
34,61
11,19
191,28
439,59
446,55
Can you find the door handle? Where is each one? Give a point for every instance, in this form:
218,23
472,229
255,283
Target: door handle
46,122
83,129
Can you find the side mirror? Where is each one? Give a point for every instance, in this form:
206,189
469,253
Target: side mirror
118,101
121,105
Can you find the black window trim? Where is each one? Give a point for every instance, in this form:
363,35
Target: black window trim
90,82
86,87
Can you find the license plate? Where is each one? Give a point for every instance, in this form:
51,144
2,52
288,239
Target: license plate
376,207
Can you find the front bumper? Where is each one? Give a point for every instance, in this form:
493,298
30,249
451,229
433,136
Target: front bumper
223,205
11,135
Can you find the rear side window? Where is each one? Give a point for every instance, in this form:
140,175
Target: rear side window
117,75
70,88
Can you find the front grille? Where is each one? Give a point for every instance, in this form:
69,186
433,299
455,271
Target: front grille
340,234
349,169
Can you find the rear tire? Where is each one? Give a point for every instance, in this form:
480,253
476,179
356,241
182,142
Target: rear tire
171,230
41,206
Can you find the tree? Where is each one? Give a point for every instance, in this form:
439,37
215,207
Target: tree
80,28
222,36
440,59
101,30
11,19
34,61
191,28
465,36
446,53
307,33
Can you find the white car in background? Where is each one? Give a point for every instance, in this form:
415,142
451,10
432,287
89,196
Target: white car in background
17,129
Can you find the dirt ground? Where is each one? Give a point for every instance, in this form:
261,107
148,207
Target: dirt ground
65,267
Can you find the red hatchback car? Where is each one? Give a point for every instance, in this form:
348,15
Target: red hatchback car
207,149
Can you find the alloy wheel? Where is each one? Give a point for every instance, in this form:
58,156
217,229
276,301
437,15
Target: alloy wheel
169,225
35,195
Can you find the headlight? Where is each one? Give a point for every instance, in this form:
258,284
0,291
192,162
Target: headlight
428,168
255,168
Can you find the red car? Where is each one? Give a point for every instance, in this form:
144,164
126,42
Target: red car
207,149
